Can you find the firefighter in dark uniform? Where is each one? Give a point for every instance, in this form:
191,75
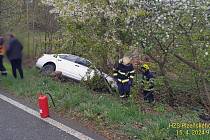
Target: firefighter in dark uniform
124,74
147,84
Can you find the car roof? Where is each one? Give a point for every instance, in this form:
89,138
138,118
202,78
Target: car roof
71,55
75,57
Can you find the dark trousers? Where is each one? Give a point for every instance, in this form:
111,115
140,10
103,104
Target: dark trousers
148,96
17,65
124,88
2,68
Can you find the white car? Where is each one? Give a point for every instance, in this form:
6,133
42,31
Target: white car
71,66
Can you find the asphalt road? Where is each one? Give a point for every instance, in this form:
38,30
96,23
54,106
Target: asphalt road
16,124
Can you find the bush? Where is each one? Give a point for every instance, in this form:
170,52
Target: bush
96,83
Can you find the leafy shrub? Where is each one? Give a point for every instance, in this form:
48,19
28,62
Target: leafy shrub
96,83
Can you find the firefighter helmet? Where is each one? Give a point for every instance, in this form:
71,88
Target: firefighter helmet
126,60
145,66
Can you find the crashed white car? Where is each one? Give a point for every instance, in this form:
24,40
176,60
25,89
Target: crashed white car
71,66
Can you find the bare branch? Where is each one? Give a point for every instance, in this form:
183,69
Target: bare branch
189,63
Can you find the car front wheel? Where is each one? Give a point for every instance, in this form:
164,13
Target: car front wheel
48,69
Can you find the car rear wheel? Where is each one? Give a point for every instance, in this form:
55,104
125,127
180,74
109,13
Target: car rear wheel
48,69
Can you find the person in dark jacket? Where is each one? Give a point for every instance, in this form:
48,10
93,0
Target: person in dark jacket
14,54
124,74
147,84
2,52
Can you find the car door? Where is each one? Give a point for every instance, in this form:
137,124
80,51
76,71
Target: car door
65,64
82,68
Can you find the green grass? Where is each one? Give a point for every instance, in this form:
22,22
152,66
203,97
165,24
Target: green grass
105,110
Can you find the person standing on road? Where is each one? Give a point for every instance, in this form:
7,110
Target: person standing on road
124,74
14,54
2,52
147,84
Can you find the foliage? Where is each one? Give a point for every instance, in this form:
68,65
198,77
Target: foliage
104,110
96,83
174,34
169,32
10,15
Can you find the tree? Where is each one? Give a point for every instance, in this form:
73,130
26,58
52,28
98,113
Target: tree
10,14
164,29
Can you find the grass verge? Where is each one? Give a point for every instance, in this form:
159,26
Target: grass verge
136,121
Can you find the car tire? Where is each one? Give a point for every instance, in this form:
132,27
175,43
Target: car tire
48,69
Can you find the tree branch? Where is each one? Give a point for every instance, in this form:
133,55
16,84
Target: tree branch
189,63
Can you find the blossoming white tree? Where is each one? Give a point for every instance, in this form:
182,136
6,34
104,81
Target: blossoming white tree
165,29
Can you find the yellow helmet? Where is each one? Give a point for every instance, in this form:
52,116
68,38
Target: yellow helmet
145,66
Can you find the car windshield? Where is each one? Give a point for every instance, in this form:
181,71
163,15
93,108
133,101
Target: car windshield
71,58
83,62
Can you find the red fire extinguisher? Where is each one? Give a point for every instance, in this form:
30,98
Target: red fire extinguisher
43,105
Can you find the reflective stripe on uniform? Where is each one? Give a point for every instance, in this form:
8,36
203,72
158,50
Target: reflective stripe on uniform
132,77
115,74
127,80
123,81
132,71
121,72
